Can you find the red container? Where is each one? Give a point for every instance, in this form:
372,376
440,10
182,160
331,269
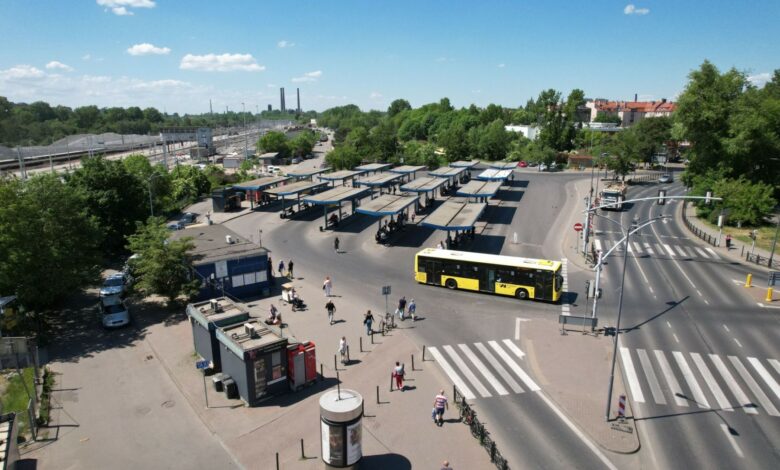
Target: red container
310,359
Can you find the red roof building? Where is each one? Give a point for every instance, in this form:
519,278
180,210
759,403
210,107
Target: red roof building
630,112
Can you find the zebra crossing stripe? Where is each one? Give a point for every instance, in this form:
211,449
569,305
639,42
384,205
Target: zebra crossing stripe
681,251
698,394
628,245
674,385
765,375
512,347
753,386
649,248
597,242
701,252
451,373
483,370
711,382
638,247
647,367
515,367
499,368
633,380
712,252
659,249
736,390
776,364
466,371
669,249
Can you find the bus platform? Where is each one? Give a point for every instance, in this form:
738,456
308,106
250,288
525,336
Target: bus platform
408,171
335,197
455,216
380,181
479,190
297,189
255,188
503,165
468,165
494,174
426,186
388,205
300,173
373,168
342,175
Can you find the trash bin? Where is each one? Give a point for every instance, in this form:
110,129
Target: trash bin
217,381
231,389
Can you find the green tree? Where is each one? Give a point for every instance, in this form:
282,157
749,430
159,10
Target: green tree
303,143
163,265
494,141
607,118
574,101
651,135
274,141
112,195
188,183
49,244
398,106
344,157
624,153
745,202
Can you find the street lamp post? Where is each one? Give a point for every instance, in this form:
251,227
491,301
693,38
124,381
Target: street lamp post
151,203
774,243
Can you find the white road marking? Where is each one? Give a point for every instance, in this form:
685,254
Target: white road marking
770,381
731,439
706,301
681,251
701,252
736,390
517,328
499,368
659,248
451,373
775,363
753,386
711,382
638,247
738,343
712,252
674,385
633,380
669,249
726,328
655,387
597,243
675,337
579,433
515,367
483,370
513,347
649,248
698,394
466,371
630,250
668,324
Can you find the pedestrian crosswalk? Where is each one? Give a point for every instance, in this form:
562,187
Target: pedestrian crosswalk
639,248
691,379
485,369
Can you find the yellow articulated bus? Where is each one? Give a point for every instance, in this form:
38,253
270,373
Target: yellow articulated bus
506,275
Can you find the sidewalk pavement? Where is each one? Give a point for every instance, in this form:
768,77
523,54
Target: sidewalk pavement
396,431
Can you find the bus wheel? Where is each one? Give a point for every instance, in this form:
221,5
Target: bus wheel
521,294
451,284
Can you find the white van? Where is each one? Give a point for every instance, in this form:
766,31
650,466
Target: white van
272,169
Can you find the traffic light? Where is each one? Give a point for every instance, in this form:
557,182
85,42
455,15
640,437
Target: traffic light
609,331
661,197
588,289
753,234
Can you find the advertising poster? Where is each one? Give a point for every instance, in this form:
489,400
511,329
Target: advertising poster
354,439
332,445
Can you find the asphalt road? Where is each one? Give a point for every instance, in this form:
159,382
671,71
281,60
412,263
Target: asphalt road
698,354
529,432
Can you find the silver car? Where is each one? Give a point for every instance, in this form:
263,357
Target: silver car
665,178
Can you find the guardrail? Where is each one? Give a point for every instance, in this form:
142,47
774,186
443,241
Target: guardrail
644,178
762,260
696,230
469,417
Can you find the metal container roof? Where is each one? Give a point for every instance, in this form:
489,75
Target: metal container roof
451,215
422,185
387,204
260,183
476,188
295,188
336,195
446,172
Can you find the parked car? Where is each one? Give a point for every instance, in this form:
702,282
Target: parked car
542,167
273,169
188,218
296,160
523,164
665,178
115,284
114,314
178,225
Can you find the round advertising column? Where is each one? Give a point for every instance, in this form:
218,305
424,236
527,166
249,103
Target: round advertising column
341,432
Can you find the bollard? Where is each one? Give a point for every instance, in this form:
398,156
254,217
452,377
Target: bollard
391,382
322,376
412,361
372,336
361,344
338,385
277,461
621,407
768,294
377,394
423,354
749,280
335,363
303,455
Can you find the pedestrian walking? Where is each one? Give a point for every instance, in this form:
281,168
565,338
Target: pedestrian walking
281,267
401,308
290,269
412,310
445,465
439,405
398,374
336,244
344,350
270,269
327,286
368,320
414,216
331,309
728,241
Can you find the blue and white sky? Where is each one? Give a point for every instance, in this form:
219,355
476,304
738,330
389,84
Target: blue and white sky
177,54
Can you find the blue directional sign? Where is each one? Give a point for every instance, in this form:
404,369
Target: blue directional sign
202,364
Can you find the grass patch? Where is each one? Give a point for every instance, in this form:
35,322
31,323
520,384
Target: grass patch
15,398
766,234
44,413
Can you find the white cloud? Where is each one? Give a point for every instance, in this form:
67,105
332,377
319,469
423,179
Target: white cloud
308,77
444,59
759,79
21,72
375,95
270,85
58,65
221,63
282,44
631,9
501,66
147,49
120,7
86,57
476,92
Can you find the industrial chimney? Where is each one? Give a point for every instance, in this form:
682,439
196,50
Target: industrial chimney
282,107
298,92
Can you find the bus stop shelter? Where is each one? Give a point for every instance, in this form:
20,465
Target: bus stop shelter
372,168
452,174
426,186
295,190
408,171
480,190
388,205
455,216
341,175
377,181
334,197
493,174
503,165
301,173
255,188
467,164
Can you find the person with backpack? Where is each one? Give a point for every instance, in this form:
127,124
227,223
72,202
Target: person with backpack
398,374
331,308
401,308
336,244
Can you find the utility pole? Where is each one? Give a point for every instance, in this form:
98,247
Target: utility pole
22,171
246,148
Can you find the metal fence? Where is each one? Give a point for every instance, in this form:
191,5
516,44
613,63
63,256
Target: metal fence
762,260
469,417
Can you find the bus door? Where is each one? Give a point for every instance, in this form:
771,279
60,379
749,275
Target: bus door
432,272
488,280
540,281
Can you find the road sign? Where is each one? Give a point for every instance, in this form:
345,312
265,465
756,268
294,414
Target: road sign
578,226
385,290
202,364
